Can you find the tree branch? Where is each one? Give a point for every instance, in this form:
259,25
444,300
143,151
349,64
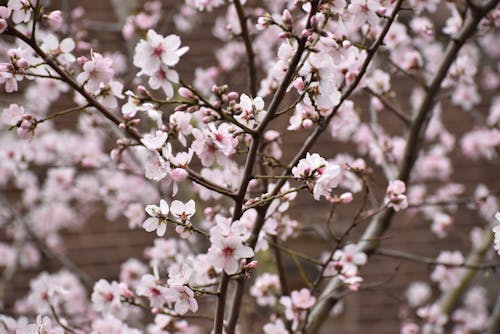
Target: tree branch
370,239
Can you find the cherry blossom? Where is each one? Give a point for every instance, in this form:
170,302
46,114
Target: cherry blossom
157,220
96,71
226,252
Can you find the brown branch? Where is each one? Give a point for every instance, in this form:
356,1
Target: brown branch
390,107
251,69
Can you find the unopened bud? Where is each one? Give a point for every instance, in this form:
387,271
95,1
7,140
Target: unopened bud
187,93
346,197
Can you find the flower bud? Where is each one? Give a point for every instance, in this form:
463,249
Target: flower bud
346,197
55,19
5,12
299,85
307,123
187,93
233,96
82,60
287,19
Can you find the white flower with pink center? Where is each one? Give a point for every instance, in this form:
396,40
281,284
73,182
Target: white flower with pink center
184,300
97,70
395,195
157,50
226,253
106,298
302,299
156,293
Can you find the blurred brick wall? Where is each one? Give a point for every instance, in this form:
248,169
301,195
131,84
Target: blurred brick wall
102,246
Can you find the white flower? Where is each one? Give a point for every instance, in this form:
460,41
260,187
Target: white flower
21,10
155,141
156,50
183,211
157,220
62,50
252,110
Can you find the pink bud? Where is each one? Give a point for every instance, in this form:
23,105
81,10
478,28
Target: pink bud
253,183
299,84
179,174
55,19
215,89
216,104
22,63
184,92
142,90
5,12
82,60
382,10
307,123
346,198
115,154
253,264
287,18
182,107
271,135
306,33
233,96
346,44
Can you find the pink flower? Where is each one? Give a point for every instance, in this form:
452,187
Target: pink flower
106,298
183,299
308,166
157,294
156,50
158,218
395,197
12,115
97,70
226,253
265,289
448,277
211,143
327,180
418,294
302,299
